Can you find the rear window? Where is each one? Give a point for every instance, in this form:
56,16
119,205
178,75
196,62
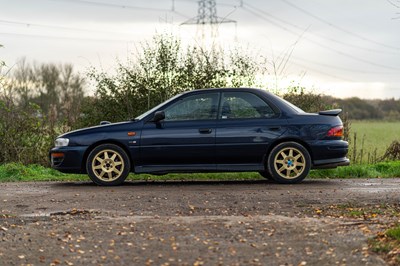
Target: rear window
294,107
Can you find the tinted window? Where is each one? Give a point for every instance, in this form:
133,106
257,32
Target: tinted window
196,107
236,105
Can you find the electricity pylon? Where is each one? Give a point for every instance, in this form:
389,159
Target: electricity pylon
207,20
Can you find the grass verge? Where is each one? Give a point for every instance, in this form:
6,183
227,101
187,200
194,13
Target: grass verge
382,169
370,218
11,172
387,245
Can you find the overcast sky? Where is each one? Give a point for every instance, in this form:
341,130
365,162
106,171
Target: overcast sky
341,48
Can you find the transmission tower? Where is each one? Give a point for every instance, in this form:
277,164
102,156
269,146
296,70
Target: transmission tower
207,19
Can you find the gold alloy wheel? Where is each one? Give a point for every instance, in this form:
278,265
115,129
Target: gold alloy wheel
289,163
108,165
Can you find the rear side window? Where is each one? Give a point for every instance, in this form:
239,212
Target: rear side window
239,105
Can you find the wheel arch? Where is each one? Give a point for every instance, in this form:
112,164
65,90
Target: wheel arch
94,145
289,139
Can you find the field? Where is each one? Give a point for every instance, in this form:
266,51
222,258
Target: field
372,137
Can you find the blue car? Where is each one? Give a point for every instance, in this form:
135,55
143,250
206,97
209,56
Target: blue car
209,130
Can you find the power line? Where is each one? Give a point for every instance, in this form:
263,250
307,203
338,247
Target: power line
61,37
319,35
29,24
317,43
111,5
354,34
324,73
172,10
300,59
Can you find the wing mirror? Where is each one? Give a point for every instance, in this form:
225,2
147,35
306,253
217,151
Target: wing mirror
158,116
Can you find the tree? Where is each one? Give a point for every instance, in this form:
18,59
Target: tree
55,88
36,102
161,69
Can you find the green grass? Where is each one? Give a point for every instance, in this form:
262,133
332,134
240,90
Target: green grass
394,233
17,172
375,135
11,172
382,169
388,245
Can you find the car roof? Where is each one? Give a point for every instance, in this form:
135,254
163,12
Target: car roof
227,89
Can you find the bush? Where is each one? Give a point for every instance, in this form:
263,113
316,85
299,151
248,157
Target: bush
161,70
24,135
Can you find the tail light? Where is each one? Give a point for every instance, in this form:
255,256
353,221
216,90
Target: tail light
335,132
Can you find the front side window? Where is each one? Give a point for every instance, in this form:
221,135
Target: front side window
196,107
239,105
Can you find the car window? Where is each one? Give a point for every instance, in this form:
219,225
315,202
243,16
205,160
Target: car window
237,105
152,110
196,107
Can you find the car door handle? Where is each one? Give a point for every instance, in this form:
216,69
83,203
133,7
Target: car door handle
205,130
274,128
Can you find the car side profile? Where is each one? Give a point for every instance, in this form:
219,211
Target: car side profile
208,130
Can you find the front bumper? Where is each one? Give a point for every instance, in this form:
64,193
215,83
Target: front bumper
68,159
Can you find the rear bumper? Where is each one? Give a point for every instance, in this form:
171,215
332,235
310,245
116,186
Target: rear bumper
329,153
68,159
330,163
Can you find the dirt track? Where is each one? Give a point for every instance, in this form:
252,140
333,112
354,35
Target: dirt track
187,223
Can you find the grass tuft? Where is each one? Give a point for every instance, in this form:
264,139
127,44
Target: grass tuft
394,233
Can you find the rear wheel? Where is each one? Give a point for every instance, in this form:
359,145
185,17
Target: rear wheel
108,165
289,162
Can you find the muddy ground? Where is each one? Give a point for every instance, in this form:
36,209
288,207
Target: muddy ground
193,223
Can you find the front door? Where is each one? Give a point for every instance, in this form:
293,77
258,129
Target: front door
185,139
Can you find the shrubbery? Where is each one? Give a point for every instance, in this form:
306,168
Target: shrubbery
161,70
37,102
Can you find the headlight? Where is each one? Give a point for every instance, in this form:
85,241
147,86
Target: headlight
60,142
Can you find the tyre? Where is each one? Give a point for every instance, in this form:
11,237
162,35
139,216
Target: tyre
266,175
108,165
289,163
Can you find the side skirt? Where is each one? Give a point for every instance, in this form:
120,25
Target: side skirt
154,169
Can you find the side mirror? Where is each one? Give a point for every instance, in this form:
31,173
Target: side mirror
158,116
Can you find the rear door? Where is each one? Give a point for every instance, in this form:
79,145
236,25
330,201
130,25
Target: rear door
246,126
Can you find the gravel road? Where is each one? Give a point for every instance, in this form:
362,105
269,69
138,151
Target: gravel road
190,223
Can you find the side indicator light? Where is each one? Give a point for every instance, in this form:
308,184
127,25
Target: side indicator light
131,134
57,155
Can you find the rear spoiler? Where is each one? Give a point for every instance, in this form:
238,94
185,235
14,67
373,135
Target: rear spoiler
333,112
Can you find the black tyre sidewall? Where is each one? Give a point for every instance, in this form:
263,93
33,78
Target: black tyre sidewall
270,163
125,172
266,175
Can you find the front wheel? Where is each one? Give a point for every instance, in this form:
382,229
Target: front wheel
289,163
108,165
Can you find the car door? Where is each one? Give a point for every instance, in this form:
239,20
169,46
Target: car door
246,126
185,139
